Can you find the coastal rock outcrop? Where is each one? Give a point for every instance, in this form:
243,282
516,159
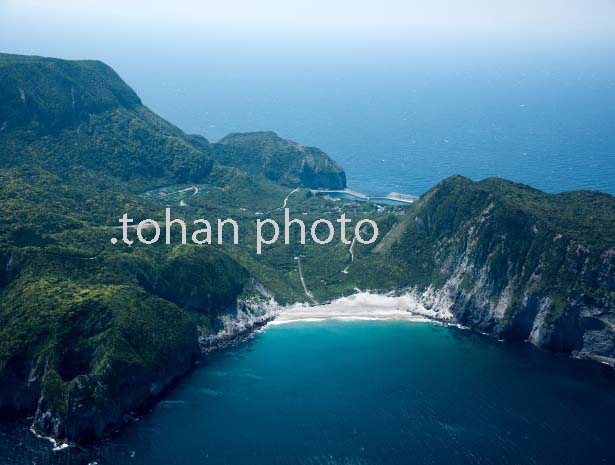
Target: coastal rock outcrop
280,160
515,262
240,322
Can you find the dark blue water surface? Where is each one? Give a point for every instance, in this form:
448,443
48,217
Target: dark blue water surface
402,119
365,393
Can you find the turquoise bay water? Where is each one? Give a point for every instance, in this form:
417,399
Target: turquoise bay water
366,393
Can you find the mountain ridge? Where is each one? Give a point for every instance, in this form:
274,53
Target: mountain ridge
515,262
90,332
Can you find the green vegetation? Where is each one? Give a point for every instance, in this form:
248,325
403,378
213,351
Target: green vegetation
90,330
500,242
280,160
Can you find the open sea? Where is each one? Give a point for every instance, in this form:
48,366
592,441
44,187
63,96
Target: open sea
385,392
376,392
403,120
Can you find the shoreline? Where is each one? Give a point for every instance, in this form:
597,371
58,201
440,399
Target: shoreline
361,306
410,319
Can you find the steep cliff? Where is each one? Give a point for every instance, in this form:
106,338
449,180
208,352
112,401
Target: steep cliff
514,262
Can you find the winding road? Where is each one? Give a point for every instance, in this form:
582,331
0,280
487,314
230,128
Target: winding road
345,270
286,199
305,289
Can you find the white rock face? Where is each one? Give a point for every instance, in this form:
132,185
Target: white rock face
538,328
248,316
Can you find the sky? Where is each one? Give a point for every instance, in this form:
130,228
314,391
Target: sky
376,32
581,18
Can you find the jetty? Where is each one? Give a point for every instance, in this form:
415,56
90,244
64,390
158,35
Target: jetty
393,197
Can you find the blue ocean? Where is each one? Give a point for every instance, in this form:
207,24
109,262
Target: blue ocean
403,119
364,393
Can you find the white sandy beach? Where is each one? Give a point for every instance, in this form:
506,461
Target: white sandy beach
360,306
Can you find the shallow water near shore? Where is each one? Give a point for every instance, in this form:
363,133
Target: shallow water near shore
377,392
